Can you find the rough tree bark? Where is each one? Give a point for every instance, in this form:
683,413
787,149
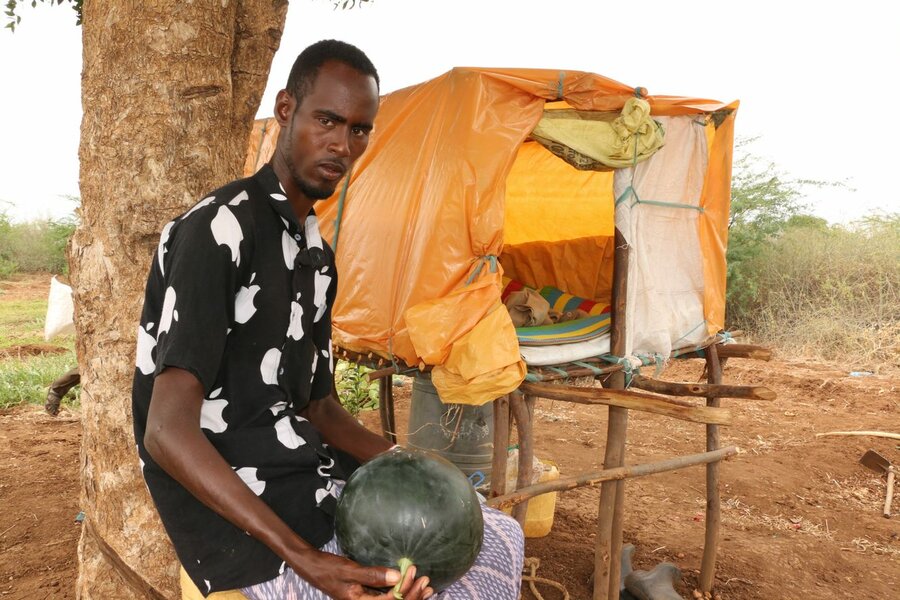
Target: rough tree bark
169,90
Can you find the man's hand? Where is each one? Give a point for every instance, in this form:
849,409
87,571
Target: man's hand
343,579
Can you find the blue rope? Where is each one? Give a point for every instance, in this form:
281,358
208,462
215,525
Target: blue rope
627,368
699,209
657,359
699,325
487,258
594,370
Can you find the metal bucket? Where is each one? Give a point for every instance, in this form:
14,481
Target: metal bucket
462,434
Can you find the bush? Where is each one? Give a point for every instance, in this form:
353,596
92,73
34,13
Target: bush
354,389
829,291
8,266
36,246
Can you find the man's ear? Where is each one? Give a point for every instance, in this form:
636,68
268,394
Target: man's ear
284,107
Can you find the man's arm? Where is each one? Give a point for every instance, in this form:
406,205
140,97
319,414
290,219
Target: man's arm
174,439
341,430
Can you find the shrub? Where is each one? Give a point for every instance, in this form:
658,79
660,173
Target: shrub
829,292
8,266
35,246
354,389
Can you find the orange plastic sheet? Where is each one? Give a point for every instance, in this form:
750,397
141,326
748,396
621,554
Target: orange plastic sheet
446,182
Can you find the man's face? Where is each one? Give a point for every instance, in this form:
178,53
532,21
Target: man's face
329,129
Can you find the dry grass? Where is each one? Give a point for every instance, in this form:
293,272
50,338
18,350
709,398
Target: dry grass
832,294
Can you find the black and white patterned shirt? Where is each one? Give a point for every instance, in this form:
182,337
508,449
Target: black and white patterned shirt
240,295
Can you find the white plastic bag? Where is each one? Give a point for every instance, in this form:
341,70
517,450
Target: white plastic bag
512,469
60,311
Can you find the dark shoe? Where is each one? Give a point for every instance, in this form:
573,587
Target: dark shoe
52,404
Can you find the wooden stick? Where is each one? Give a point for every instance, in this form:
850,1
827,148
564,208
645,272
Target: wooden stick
744,351
882,434
580,372
733,351
380,373
140,586
386,408
518,404
628,399
703,390
713,500
501,441
592,479
608,546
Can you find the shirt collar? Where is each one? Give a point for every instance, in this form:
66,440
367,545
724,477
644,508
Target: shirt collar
278,200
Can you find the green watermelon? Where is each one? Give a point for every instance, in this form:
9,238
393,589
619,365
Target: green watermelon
411,506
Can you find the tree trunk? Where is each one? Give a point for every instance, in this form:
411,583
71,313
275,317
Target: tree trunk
169,91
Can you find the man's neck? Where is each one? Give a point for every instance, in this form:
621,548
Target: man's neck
300,203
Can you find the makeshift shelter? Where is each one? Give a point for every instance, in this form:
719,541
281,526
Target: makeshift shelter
484,181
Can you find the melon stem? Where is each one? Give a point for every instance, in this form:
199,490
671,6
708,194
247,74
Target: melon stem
404,564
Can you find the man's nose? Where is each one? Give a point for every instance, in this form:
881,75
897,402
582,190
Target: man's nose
339,143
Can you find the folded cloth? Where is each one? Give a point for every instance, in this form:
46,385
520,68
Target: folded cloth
527,308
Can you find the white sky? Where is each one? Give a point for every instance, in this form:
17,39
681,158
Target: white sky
815,79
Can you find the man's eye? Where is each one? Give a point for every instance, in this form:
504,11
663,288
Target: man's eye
360,132
325,121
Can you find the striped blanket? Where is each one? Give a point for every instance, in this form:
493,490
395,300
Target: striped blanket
577,330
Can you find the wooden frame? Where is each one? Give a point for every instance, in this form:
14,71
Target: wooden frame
518,408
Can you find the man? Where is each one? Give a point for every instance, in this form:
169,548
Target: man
242,444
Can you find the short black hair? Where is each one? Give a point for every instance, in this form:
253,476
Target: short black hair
306,67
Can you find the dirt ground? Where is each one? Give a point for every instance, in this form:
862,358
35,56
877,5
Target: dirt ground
801,517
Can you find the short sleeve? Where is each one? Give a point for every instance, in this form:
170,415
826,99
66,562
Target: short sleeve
200,268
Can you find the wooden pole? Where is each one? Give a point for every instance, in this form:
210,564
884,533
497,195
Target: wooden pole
592,479
612,493
702,390
569,372
713,501
386,408
732,351
501,441
522,408
628,399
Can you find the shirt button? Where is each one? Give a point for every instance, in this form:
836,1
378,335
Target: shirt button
281,371
297,237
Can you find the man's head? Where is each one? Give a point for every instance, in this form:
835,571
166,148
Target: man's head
306,67
326,113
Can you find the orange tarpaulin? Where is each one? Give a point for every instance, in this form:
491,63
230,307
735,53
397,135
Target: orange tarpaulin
448,182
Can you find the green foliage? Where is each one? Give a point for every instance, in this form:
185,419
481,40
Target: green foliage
28,364
21,322
27,380
13,19
8,264
36,246
764,203
355,390
830,292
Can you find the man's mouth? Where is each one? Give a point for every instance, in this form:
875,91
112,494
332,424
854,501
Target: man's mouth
332,171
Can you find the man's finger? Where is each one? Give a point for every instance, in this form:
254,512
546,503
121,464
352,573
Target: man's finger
377,577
